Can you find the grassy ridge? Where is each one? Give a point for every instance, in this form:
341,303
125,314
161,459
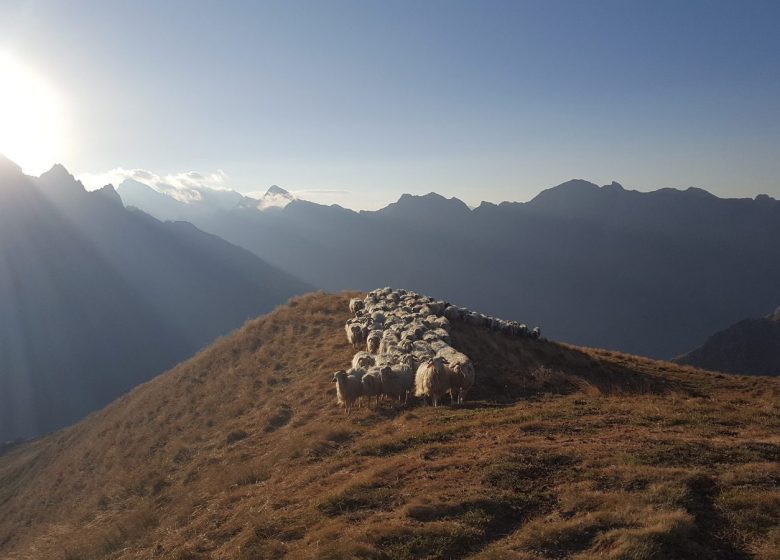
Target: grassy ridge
561,452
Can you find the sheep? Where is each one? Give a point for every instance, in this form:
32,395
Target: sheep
437,307
442,323
432,380
397,381
409,361
407,339
378,317
354,333
372,385
454,313
462,376
363,360
355,305
349,388
441,334
451,355
388,346
373,341
473,318
430,336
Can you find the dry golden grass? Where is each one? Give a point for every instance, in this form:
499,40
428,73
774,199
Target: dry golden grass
561,452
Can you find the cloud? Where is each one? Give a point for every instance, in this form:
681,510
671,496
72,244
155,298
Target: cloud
187,186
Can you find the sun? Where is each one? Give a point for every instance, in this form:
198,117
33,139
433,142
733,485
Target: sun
31,118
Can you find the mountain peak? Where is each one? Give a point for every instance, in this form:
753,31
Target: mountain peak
426,202
276,189
274,197
109,193
58,171
572,193
58,181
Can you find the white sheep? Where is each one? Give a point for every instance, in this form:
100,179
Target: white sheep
462,377
378,317
441,334
536,332
411,362
373,341
354,333
355,305
453,313
349,388
397,381
372,385
432,380
437,307
363,360
438,344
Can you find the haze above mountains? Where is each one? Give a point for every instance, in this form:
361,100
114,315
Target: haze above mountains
652,273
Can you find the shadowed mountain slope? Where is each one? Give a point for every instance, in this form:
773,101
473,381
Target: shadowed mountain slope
749,347
242,453
95,298
648,273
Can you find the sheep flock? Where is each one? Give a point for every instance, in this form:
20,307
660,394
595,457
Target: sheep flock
406,349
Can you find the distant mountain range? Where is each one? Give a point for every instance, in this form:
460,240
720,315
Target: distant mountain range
651,273
749,347
197,204
96,298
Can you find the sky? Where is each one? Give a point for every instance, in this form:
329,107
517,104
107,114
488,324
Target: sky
357,102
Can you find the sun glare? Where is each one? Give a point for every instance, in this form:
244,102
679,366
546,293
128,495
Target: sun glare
31,125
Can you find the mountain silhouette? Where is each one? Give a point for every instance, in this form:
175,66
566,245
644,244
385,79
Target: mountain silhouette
650,273
96,298
749,347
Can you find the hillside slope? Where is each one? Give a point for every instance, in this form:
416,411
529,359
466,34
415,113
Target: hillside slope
650,273
96,298
241,453
749,347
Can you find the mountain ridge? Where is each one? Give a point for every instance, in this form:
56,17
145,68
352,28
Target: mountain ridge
95,298
657,267
748,347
